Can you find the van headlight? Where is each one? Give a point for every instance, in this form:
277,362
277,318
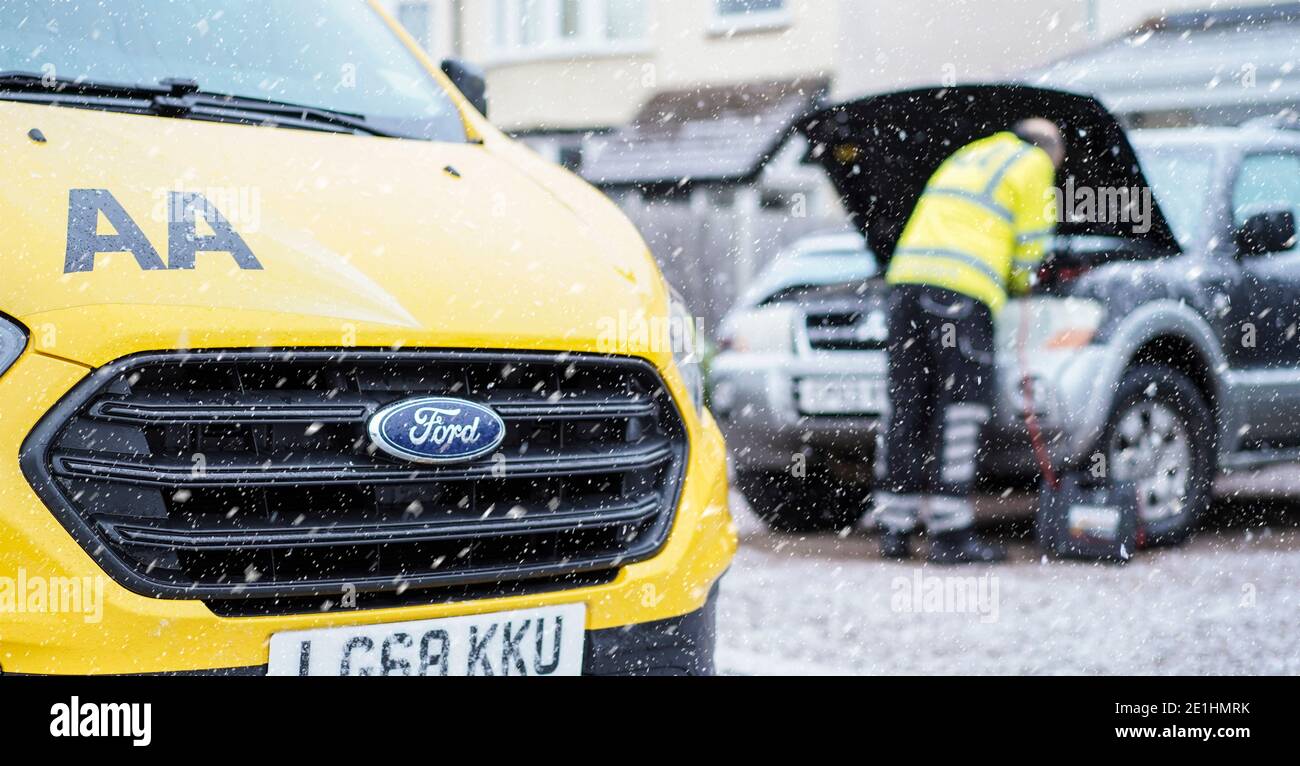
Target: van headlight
13,339
688,352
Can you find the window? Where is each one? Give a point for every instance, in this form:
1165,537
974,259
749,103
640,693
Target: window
501,31
571,19
749,14
532,22
736,7
624,19
416,18
1181,181
1267,182
566,27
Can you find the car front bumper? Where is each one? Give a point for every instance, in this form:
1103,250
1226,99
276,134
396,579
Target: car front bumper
755,403
122,632
754,399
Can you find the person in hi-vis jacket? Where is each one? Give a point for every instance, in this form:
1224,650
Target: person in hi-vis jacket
979,232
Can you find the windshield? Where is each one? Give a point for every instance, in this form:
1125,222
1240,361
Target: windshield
1180,180
337,54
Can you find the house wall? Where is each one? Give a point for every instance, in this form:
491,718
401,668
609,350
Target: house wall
891,44
866,45
684,46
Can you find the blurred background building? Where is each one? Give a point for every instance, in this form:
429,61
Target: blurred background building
1221,66
679,109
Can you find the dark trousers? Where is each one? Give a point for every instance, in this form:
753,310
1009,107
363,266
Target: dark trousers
941,390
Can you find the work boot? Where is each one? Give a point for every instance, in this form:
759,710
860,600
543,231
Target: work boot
893,545
963,546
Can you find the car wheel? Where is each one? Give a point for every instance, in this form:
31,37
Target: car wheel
1161,436
817,502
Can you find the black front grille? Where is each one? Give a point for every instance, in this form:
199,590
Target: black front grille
846,329
240,475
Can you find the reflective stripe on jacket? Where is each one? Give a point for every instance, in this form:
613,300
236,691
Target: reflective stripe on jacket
982,226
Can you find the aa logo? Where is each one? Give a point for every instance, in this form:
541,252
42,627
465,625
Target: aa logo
184,243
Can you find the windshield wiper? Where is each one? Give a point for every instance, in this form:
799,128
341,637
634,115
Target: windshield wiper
184,97
38,88
181,99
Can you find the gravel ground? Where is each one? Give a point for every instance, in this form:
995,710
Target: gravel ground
1228,602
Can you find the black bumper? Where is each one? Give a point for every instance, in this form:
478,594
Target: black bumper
683,646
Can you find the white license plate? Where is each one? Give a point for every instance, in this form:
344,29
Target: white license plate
844,395
530,642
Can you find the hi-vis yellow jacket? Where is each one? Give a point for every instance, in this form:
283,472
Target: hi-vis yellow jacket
982,226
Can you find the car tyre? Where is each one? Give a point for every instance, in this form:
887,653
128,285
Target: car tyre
817,502
1162,435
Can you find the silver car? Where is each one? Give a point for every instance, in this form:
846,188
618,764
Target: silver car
1162,354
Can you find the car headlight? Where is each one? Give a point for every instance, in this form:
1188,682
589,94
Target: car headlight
1054,324
13,339
688,351
763,330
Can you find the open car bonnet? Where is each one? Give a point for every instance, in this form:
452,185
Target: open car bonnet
881,151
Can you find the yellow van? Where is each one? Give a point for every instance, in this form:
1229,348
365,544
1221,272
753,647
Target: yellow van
305,369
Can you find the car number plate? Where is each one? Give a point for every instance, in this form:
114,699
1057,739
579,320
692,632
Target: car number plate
843,395
532,642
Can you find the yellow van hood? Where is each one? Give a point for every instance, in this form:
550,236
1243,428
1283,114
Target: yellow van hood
361,241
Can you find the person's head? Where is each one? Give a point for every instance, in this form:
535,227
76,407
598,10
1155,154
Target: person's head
1044,134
